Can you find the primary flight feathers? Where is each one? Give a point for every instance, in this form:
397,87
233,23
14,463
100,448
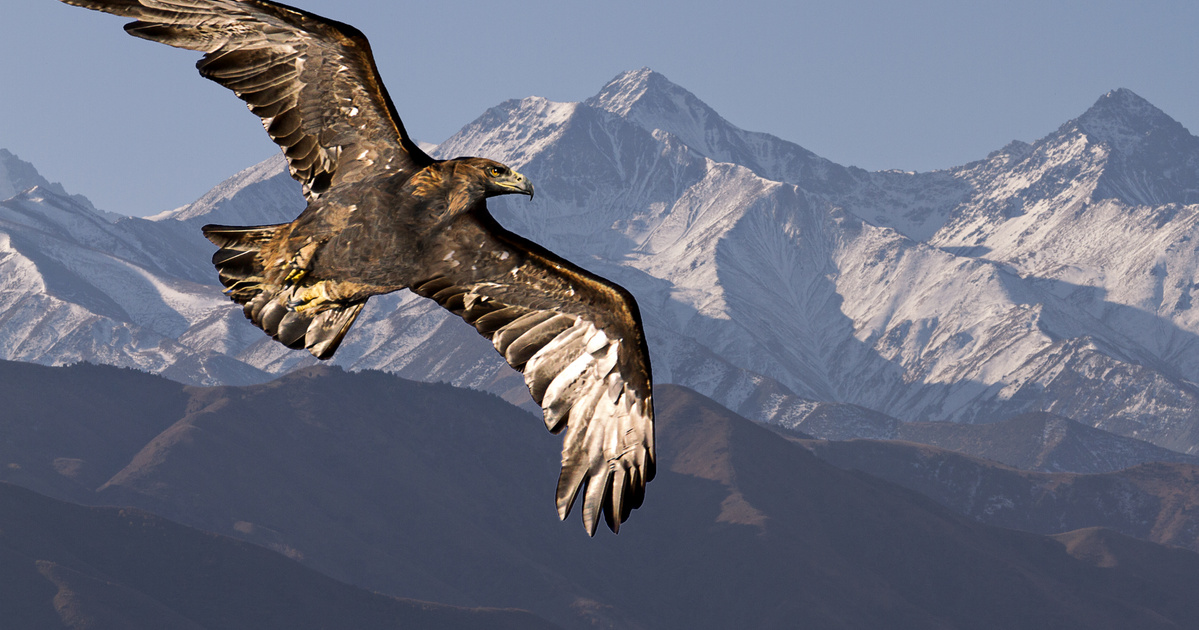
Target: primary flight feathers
312,81
384,216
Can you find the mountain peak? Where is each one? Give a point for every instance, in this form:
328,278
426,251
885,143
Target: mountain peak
1124,100
20,180
17,175
1124,120
1153,158
651,101
632,88
274,198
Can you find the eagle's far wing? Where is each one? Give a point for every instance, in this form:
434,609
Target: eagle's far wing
579,342
311,80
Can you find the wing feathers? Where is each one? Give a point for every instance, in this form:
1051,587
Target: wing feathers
558,402
543,368
497,319
292,329
577,337
264,98
573,368
270,306
325,333
271,314
283,126
595,499
503,339
530,342
569,481
312,80
445,294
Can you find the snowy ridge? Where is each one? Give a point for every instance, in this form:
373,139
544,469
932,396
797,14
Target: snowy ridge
505,138
1155,159
263,194
1050,276
212,206
951,329
647,99
17,176
77,287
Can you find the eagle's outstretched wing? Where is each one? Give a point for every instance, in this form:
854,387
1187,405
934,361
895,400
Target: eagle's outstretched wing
312,80
579,342
577,337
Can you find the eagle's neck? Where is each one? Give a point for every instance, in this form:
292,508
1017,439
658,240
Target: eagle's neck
447,190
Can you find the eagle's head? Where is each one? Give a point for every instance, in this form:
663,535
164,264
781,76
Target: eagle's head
498,179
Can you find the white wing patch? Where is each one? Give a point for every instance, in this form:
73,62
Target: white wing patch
607,432
588,373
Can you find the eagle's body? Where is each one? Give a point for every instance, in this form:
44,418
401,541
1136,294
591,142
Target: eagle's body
384,216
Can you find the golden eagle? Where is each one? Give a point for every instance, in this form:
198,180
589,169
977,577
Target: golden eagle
384,216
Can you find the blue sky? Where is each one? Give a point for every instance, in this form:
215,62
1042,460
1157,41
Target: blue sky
907,85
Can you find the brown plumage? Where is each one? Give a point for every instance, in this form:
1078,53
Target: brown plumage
384,216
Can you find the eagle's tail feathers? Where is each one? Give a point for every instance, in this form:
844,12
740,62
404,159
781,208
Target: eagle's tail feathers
241,236
297,314
285,314
237,261
294,318
328,328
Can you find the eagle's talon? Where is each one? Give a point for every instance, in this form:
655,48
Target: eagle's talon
307,306
295,275
316,296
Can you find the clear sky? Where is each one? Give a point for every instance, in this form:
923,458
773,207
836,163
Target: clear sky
879,84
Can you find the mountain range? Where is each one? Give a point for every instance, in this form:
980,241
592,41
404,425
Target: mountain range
67,566
427,491
1152,501
1050,277
1040,441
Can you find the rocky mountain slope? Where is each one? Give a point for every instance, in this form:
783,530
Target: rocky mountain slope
1042,442
78,285
1152,501
424,490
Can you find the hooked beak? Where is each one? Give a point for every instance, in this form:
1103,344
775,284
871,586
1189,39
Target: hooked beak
516,183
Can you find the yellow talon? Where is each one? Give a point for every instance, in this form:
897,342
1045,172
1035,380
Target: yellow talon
295,275
312,297
307,306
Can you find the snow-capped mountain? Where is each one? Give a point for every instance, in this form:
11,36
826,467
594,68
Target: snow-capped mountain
863,287
1086,231
17,175
77,286
1051,276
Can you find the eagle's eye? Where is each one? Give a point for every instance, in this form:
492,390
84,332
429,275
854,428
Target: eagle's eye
495,171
